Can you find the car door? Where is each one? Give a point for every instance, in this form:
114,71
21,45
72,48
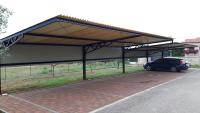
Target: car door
167,64
158,64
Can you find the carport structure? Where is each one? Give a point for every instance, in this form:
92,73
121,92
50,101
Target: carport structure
66,39
146,51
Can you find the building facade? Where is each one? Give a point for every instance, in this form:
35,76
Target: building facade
193,54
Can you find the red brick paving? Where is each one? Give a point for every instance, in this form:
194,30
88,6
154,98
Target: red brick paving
12,105
85,96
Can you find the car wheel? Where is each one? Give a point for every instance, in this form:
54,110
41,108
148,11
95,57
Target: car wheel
148,68
173,69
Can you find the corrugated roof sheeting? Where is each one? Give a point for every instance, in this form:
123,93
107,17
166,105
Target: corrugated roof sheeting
66,30
46,40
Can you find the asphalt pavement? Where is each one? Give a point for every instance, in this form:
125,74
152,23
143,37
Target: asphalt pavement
178,96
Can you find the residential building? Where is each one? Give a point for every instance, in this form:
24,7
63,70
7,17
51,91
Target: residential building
193,54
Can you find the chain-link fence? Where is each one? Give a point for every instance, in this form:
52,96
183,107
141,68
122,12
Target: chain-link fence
50,75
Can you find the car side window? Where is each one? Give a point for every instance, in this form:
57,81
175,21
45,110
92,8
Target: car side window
159,61
171,61
168,61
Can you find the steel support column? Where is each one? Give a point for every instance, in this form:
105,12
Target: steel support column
162,53
84,62
123,60
147,56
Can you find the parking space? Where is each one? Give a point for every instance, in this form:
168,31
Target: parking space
177,96
84,96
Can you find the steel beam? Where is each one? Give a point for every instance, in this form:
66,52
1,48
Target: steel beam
151,48
63,37
147,56
115,40
46,44
106,43
96,47
19,34
60,61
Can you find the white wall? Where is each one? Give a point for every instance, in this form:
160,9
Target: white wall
135,54
105,53
38,53
138,54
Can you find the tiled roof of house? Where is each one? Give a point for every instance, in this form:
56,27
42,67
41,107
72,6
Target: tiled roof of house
194,40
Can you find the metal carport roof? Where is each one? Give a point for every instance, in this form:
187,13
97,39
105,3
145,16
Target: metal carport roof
160,47
76,39
146,50
65,30
68,39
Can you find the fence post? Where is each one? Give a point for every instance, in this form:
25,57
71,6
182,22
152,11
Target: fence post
53,69
30,71
68,67
5,73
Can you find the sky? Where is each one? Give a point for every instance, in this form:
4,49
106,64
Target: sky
179,19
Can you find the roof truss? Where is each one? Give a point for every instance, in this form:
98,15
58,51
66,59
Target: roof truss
95,43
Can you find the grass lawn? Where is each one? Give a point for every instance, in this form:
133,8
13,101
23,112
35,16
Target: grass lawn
20,79
195,66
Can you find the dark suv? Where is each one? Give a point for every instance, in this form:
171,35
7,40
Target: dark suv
172,64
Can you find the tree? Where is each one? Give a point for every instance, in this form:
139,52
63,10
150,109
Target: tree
4,15
178,52
3,53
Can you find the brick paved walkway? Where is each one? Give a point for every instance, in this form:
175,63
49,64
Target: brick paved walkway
85,96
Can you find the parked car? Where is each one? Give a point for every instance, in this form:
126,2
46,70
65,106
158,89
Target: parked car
172,64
